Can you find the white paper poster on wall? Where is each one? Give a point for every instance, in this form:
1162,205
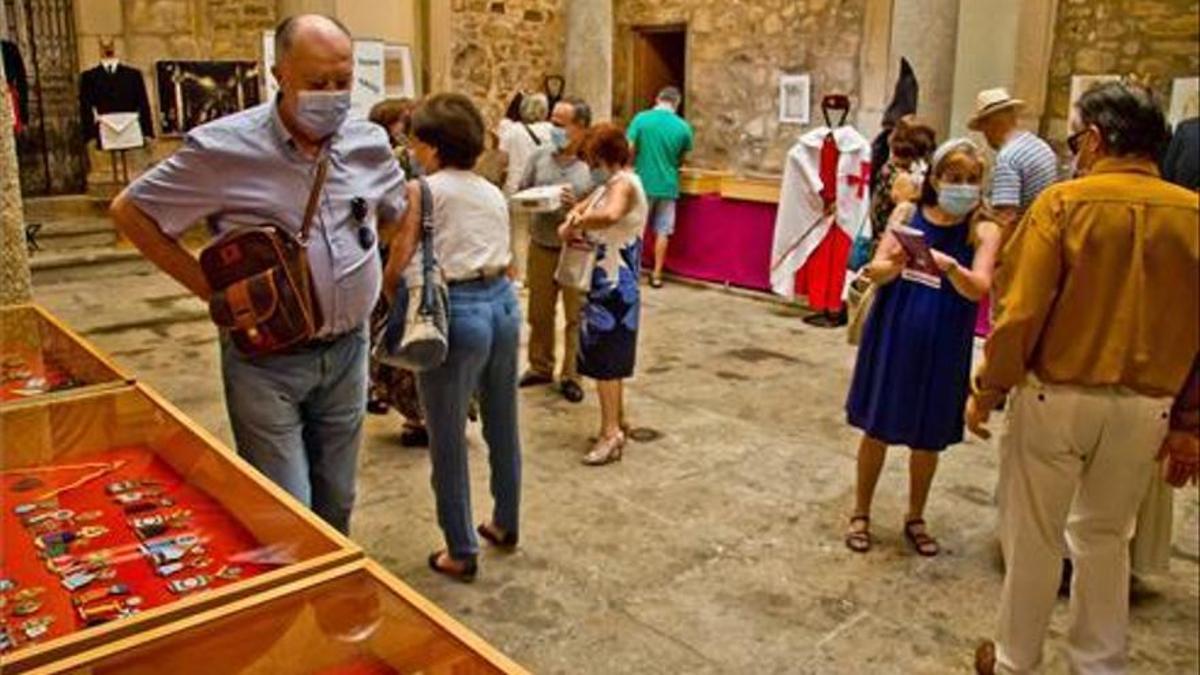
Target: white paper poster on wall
368,87
398,69
1185,100
270,86
795,99
368,77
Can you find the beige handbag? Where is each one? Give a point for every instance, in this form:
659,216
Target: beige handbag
577,259
862,291
858,305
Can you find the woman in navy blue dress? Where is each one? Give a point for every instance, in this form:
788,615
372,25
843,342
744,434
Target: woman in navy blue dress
911,378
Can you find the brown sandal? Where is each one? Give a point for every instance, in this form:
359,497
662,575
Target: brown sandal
859,541
921,542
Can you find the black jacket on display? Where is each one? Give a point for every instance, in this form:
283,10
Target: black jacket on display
14,72
102,92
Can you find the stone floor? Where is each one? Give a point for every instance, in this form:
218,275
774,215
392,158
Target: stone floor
715,546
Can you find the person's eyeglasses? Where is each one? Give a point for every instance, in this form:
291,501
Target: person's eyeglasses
1074,139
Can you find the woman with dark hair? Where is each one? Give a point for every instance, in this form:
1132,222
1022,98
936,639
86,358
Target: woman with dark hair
910,145
911,379
612,219
471,244
391,387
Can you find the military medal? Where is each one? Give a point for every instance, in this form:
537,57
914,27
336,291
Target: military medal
145,505
30,507
78,580
96,594
26,607
35,628
188,584
104,612
7,585
61,515
229,572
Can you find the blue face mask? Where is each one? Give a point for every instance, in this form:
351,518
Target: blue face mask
958,199
600,176
558,138
321,113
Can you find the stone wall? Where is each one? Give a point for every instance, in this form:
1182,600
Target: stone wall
1147,38
737,49
501,46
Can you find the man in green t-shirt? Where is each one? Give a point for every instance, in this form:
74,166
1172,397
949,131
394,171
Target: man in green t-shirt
660,139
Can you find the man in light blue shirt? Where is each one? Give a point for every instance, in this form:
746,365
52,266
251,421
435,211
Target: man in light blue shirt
296,416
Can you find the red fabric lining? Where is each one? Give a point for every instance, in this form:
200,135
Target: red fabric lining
824,273
222,537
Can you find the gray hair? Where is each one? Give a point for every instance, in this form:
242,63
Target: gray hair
285,32
670,95
535,108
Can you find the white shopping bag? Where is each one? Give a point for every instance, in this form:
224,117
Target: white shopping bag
120,131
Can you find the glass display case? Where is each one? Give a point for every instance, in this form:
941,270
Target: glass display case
119,515
354,620
40,357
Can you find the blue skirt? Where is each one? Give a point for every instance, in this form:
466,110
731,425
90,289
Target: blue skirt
608,332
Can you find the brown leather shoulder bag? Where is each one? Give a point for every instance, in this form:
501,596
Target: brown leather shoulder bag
262,290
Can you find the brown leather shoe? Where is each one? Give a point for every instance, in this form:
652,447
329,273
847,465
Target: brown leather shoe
985,658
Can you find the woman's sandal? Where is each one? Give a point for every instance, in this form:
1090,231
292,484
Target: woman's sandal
605,451
921,542
859,541
508,541
465,575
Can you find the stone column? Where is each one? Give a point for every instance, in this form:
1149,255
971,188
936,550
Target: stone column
926,31
15,283
589,58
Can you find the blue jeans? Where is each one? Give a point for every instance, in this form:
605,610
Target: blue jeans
485,329
298,417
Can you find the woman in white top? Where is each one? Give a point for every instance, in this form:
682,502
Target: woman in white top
520,140
613,219
471,243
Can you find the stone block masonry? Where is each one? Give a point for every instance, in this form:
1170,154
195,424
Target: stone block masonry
502,46
737,49
1155,39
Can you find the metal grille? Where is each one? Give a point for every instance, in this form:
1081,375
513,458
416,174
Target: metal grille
50,148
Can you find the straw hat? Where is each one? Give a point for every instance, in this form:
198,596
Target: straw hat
990,101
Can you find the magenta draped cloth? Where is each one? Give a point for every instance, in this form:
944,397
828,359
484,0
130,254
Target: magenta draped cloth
720,240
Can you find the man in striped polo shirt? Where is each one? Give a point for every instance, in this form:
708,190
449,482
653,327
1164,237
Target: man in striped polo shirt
1025,164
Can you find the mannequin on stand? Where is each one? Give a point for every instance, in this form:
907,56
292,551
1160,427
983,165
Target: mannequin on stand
823,203
114,109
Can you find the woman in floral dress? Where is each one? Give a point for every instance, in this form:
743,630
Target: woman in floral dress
613,219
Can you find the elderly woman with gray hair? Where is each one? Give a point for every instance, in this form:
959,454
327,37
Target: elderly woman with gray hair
518,142
911,379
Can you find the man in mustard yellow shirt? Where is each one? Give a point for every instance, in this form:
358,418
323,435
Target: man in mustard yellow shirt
1098,340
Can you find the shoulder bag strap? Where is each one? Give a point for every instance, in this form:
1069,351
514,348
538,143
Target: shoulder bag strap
427,258
536,141
314,198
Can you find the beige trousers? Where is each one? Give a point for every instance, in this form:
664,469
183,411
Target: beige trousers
1080,460
543,303
519,243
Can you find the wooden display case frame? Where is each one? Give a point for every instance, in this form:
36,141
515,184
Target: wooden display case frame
97,366
136,415
461,637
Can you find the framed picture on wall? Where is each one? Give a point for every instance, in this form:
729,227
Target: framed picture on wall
795,99
191,93
398,77
1185,100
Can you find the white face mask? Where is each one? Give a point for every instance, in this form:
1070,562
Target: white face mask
321,113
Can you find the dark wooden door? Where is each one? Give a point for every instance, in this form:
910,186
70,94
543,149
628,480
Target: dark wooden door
659,60
50,148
